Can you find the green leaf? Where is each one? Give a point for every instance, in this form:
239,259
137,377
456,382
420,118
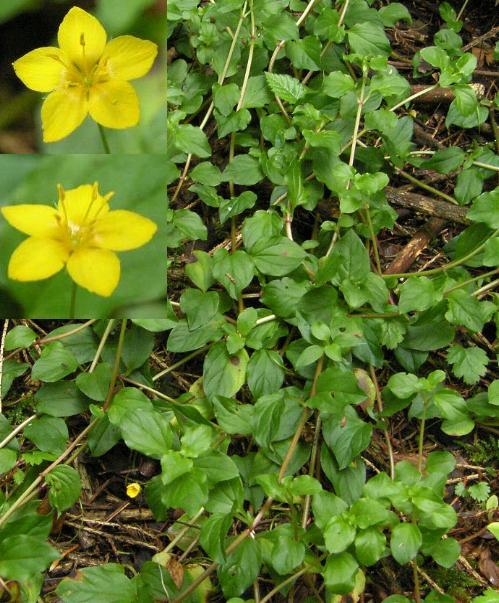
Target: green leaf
188,492
105,583
469,364
126,400
339,534
368,39
445,161
196,440
281,26
233,417
200,271
337,84
183,339
10,370
352,257
206,173
346,435
243,169
225,97
485,209
469,185
8,459
435,56
137,348
103,437
64,487
405,542
200,307
213,533
288,552
310,354
286,87
95,385
55,363
394,12
234,271
240,569
403,385
20,336
23,557
217,467
282,296
224,375
446,552
467,310
265,373
493,392
191,139
278,256
236,205
339,573
190,224
147,431
417,294
430,331
60,399
174,465
49,434
369,546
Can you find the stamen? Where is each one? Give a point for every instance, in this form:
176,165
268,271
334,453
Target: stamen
62,197
95,195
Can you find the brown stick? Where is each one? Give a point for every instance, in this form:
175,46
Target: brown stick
427,205
408,255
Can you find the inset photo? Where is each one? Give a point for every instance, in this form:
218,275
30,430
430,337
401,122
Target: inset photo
82,236
83,77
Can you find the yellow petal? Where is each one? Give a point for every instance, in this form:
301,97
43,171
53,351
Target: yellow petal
82,205
62,112
34,220
36,259
42,69
128,57
114,104
97,270
82,38
122,230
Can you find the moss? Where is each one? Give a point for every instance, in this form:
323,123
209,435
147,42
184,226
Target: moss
455,582
483,451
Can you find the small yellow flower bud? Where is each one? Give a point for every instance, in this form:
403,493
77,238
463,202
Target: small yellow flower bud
133,490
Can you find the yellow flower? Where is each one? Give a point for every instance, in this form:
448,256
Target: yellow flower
133,490
81,233
86,74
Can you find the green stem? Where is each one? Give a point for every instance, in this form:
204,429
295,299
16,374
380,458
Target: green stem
116,367
448,266
103,137
72,303
421,438
471,280
427,187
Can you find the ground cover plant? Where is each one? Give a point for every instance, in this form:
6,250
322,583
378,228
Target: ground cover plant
316,417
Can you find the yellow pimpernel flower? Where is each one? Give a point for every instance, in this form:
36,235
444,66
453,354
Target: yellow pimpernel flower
133,490
81,233
86,75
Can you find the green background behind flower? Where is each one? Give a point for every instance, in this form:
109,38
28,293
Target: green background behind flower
139,183
28,24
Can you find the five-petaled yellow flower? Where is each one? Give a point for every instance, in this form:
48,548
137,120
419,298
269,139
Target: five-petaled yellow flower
81,233
86,74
